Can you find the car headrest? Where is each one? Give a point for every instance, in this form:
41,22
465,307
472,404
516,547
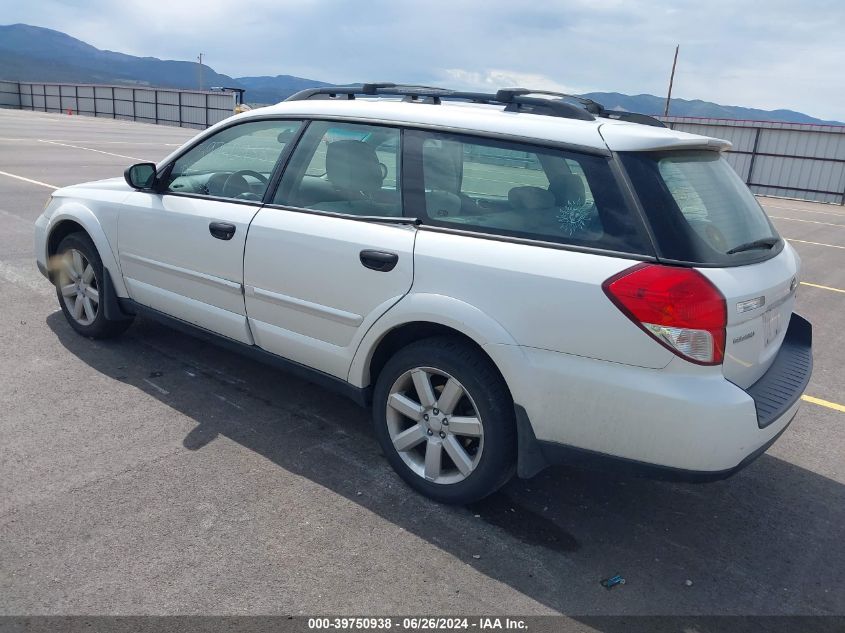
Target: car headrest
442,165
353,165
530,198
567,189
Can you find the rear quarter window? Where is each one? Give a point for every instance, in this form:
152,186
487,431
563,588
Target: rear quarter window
520,190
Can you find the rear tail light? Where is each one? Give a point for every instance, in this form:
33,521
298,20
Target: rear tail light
678,307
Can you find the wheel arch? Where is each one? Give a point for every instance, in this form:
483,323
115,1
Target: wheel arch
76,218
421,316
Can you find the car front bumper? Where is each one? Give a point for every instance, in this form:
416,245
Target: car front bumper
40,244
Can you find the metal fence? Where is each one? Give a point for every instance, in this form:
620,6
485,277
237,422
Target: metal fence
790,160
163,106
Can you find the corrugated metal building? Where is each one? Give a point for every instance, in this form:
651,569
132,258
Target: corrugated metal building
791,160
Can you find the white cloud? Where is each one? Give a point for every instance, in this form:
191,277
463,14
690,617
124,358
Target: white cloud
492,80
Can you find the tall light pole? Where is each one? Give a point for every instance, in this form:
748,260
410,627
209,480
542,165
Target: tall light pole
199,68
671,81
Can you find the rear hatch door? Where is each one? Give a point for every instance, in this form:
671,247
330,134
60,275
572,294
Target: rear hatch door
760,299
701,214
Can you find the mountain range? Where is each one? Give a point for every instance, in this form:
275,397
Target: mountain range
32,53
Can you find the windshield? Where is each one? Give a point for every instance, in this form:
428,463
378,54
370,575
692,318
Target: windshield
699,209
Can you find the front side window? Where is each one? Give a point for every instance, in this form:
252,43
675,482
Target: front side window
236,162
699,208
345,168
524,191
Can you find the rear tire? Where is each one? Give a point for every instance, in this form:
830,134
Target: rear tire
445,420
80,290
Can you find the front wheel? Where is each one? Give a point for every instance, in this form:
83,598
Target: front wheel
444,418
80,289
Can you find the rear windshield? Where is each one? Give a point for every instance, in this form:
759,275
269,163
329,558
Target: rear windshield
699,209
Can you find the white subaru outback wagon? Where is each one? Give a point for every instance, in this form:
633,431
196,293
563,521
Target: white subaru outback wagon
510,280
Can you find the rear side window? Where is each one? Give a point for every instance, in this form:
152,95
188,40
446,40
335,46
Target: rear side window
699,209
520,190
345,168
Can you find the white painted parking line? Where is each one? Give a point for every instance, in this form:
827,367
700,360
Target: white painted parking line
768,206
93,142
98,151
26,276
777,217
34,182
156,387
4,139
20,224
790,239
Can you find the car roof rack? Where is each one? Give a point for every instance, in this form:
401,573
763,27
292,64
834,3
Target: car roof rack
591,106
429,94
514,100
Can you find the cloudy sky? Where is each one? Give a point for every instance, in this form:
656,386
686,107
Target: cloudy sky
767,54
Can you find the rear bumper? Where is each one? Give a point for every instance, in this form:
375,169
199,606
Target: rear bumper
536,455
680,423
782,385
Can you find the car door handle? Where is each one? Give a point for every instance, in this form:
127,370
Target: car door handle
381,261
222,230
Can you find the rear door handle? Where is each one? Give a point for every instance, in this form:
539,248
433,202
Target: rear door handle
381,261
222,230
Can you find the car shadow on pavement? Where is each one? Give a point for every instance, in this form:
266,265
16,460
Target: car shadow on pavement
768,540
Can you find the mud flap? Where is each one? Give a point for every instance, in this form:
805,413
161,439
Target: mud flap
530,459
111,306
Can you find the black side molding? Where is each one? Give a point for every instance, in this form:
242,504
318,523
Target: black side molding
785,381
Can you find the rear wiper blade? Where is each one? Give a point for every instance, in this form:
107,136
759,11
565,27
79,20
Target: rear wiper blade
766,242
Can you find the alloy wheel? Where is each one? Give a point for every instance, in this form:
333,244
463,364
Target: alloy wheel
78,286
434,425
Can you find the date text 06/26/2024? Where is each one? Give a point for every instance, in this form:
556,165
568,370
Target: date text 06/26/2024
481,623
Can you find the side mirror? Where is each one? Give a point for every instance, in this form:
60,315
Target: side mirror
141,176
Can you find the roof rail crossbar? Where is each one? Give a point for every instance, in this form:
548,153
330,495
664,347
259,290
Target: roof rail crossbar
370,89
514,99
554,107
594,107
633,117
589,105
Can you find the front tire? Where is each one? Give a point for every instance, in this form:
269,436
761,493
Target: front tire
445,421
80,289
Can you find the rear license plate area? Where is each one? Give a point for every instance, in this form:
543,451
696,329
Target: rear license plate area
771,325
